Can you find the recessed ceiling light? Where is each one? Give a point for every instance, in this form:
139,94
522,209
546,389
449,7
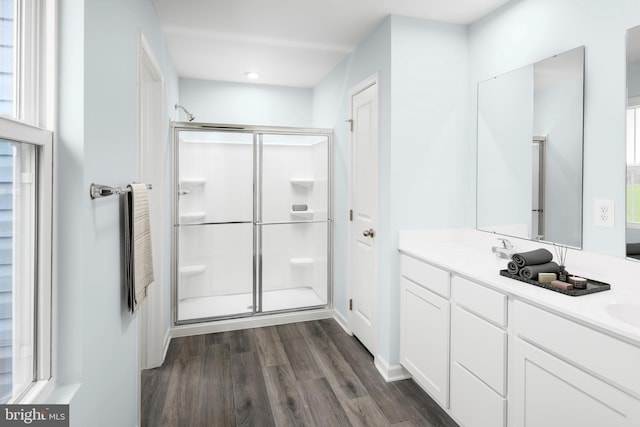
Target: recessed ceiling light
252,75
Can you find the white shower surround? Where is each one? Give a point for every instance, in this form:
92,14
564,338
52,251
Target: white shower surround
215,261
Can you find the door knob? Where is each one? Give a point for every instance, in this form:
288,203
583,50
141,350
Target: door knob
369,233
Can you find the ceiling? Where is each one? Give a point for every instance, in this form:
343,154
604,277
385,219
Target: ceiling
288,42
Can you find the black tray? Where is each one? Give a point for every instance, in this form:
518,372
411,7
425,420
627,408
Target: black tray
593,286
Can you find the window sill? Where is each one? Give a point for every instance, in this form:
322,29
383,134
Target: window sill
63,393
42,392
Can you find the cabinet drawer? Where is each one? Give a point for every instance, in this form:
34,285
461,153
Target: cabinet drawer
480,347
473,403
481,300
426,275
580,345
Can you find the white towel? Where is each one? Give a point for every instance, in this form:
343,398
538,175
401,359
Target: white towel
138,255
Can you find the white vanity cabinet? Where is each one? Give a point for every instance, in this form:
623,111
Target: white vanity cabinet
478,386
497,352
424,329
567,374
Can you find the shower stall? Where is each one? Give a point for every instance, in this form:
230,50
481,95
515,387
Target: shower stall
252,220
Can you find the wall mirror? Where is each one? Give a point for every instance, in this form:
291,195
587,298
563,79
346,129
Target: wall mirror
633,143
529,170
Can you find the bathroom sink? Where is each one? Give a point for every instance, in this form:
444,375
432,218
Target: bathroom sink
628,313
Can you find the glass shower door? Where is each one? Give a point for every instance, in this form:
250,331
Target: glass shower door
293,221
215,225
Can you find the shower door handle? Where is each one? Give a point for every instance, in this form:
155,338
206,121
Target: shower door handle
369,233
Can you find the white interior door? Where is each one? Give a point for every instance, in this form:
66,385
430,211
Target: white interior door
364,205
151,163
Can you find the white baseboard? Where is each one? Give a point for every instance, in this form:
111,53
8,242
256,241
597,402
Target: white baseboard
390,372
344,323
250,322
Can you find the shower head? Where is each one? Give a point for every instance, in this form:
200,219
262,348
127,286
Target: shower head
190,116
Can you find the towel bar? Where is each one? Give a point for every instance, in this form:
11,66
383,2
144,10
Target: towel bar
96,190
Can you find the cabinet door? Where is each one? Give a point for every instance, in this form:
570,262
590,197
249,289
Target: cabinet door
550,392
424,339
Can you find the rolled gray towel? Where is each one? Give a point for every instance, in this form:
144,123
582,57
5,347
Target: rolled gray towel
513,268
531,271
539,256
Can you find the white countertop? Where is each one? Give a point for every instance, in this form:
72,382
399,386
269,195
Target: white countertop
467,253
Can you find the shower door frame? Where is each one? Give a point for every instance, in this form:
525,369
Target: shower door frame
256,132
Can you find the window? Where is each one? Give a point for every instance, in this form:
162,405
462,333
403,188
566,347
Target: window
633,163
25,258
26,59
7,57
27,51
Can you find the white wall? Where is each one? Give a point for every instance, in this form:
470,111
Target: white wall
330,110
71,205
429,124
249,104
96,341
423,129
526,31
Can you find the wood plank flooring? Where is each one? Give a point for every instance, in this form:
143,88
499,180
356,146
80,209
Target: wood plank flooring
300,374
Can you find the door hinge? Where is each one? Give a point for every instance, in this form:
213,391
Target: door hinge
350,121
350,214
350,304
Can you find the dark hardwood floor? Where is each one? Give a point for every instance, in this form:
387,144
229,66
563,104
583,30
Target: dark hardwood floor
300,374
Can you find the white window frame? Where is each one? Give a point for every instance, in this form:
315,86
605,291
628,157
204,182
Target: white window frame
34,62
12,130
35,97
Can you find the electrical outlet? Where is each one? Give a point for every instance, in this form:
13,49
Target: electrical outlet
604,213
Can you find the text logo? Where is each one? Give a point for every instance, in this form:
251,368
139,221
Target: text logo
34,415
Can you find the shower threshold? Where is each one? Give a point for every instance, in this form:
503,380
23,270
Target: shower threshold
228,305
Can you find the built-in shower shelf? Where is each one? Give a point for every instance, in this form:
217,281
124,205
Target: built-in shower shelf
308,214
301,262
192,182
192,216
302,182
188,270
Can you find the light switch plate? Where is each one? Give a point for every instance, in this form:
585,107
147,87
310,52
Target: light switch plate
604,213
